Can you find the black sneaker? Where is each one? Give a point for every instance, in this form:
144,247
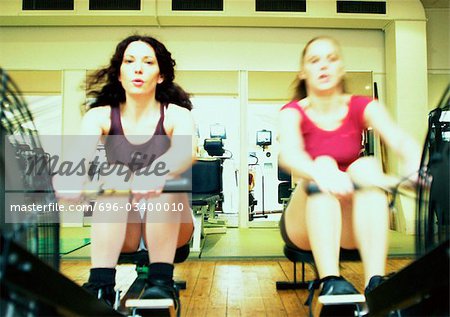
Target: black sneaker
161,289
102,291
373,283
337,285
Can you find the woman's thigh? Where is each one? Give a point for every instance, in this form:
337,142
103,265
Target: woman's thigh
293,224
179,212
367,171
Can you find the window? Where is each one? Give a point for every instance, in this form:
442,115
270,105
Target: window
197,5
281,5
47,5
114,4
373,7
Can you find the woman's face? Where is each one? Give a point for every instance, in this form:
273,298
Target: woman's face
323,68
139,72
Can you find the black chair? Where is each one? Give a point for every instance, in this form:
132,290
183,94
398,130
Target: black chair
284,187
283,175
306,257
207,192
284,192
206,182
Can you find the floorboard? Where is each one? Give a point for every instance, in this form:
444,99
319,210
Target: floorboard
228,288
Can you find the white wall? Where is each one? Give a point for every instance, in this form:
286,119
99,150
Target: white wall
76,49
197,48
438,36
438,48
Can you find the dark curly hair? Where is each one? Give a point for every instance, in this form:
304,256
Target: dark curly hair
104,85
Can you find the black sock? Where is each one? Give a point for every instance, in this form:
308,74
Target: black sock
160,271
103,276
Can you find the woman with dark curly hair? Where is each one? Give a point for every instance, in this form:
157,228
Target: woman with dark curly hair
112,92
141,116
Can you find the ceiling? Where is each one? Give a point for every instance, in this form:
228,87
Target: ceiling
428,4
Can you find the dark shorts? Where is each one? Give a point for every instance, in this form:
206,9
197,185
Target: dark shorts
284,234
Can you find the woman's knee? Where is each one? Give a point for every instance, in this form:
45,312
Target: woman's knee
371,197
365,165
325,162
365,169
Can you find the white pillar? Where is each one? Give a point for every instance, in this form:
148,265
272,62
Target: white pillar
407,92
73,98
243,167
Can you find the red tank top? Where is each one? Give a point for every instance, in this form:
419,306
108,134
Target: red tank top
344,144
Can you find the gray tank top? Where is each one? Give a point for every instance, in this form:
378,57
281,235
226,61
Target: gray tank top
120,151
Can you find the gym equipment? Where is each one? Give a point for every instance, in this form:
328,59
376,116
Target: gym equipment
422,288
419,289
38,233
252,201
284,187
30,287
263,138
304,257
131,302
214,146
341,305
433,204
207,193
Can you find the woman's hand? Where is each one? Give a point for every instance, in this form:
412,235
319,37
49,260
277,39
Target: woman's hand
68,188
69,191
115,178
146,185
366,172
413,181
330,179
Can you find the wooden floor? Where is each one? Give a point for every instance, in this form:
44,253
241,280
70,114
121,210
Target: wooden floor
235,288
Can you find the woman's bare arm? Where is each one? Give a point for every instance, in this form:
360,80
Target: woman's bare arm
377,117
